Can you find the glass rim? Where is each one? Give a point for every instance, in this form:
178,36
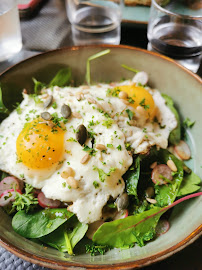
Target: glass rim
154,2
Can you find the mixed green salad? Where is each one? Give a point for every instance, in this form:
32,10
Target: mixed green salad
154,183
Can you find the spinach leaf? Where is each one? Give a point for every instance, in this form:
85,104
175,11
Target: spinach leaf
62,78
66,236
125,232
190,184
3,109
56,239
166,194
175,135
40,223
38,86
132,177
76,231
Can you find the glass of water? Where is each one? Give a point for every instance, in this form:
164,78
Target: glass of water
95,21
10,33
175,30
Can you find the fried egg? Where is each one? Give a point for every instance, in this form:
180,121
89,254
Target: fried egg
47,154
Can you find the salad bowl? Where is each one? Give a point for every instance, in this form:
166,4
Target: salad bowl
165,75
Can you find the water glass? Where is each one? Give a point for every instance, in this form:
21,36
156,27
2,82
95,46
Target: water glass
10,33
95,21
175,30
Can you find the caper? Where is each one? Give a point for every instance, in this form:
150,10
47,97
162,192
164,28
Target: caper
150,192
122,202
65,111
46,116
48,101
81,134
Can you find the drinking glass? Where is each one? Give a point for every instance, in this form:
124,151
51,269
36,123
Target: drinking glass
94,21
175,30
10,33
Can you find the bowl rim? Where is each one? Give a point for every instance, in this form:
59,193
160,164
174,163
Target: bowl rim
76,48
51,263
60,265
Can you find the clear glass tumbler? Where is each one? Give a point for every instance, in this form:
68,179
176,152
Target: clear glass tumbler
95,21
10,32
175,30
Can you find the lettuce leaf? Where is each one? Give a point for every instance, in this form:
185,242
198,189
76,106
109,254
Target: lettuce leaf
125,232
190,184
62,78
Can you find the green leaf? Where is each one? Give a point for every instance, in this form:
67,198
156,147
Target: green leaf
124,232
68,244
92,58
40,223
190,184
62,78
139,228
3,108
76,231
132,178
166,194
66,236
91,151
38,86
175,135
187,123
56,239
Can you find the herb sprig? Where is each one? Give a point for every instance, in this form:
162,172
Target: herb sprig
187,123
91,151
96,249
25,201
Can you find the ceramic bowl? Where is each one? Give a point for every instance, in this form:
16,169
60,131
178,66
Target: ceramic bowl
165,75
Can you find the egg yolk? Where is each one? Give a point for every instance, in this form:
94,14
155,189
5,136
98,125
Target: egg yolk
139,96
40,146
